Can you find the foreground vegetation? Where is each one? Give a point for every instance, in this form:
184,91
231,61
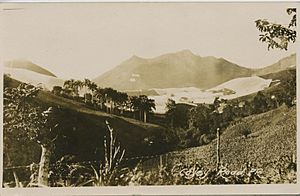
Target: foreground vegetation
61,140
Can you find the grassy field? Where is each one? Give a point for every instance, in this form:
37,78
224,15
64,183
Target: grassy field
272,140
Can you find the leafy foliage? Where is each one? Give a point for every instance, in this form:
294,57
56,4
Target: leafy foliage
24,119
278,35
171,108
113,155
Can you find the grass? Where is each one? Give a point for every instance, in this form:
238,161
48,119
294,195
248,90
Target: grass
130,131
273,135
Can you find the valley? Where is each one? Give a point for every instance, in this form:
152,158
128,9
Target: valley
159,126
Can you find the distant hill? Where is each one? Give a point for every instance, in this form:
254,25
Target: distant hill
173,70
28,65
28,72
283,64
24,75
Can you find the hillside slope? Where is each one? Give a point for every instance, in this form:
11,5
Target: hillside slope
283,64
273,135
82,129
173,70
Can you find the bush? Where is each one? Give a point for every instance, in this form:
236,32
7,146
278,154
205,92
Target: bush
243,129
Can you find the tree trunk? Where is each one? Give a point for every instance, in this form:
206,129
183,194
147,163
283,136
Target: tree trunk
141,118
101,105
85,92
111,107
145,116
107,106
92,97
44,166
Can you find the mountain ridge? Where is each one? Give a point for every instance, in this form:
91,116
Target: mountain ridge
282,64
184,69
28,65
181,69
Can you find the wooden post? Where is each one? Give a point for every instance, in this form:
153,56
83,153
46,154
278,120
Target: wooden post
160,162
166,163
218,148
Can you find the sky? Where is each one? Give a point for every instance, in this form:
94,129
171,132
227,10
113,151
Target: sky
84,40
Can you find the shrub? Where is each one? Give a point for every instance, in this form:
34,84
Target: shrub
243,129
113,155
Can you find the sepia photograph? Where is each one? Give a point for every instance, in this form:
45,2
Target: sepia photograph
147,94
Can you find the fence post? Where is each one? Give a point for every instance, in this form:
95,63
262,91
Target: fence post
160,161
218,148
166,163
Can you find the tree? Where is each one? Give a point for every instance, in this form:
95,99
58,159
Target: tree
121,100
260,103
220,110
243,129
199,118
171,107
70,86
146,106
278,35
93,87
24,119
100,96
78,85
57,90
86,83
134,104
110,98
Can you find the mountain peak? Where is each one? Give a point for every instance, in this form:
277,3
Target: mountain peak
172,70
185,52
182,54
135,58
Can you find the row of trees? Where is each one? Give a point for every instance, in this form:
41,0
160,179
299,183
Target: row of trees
108,99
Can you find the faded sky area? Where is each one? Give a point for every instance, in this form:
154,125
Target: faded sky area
78,40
